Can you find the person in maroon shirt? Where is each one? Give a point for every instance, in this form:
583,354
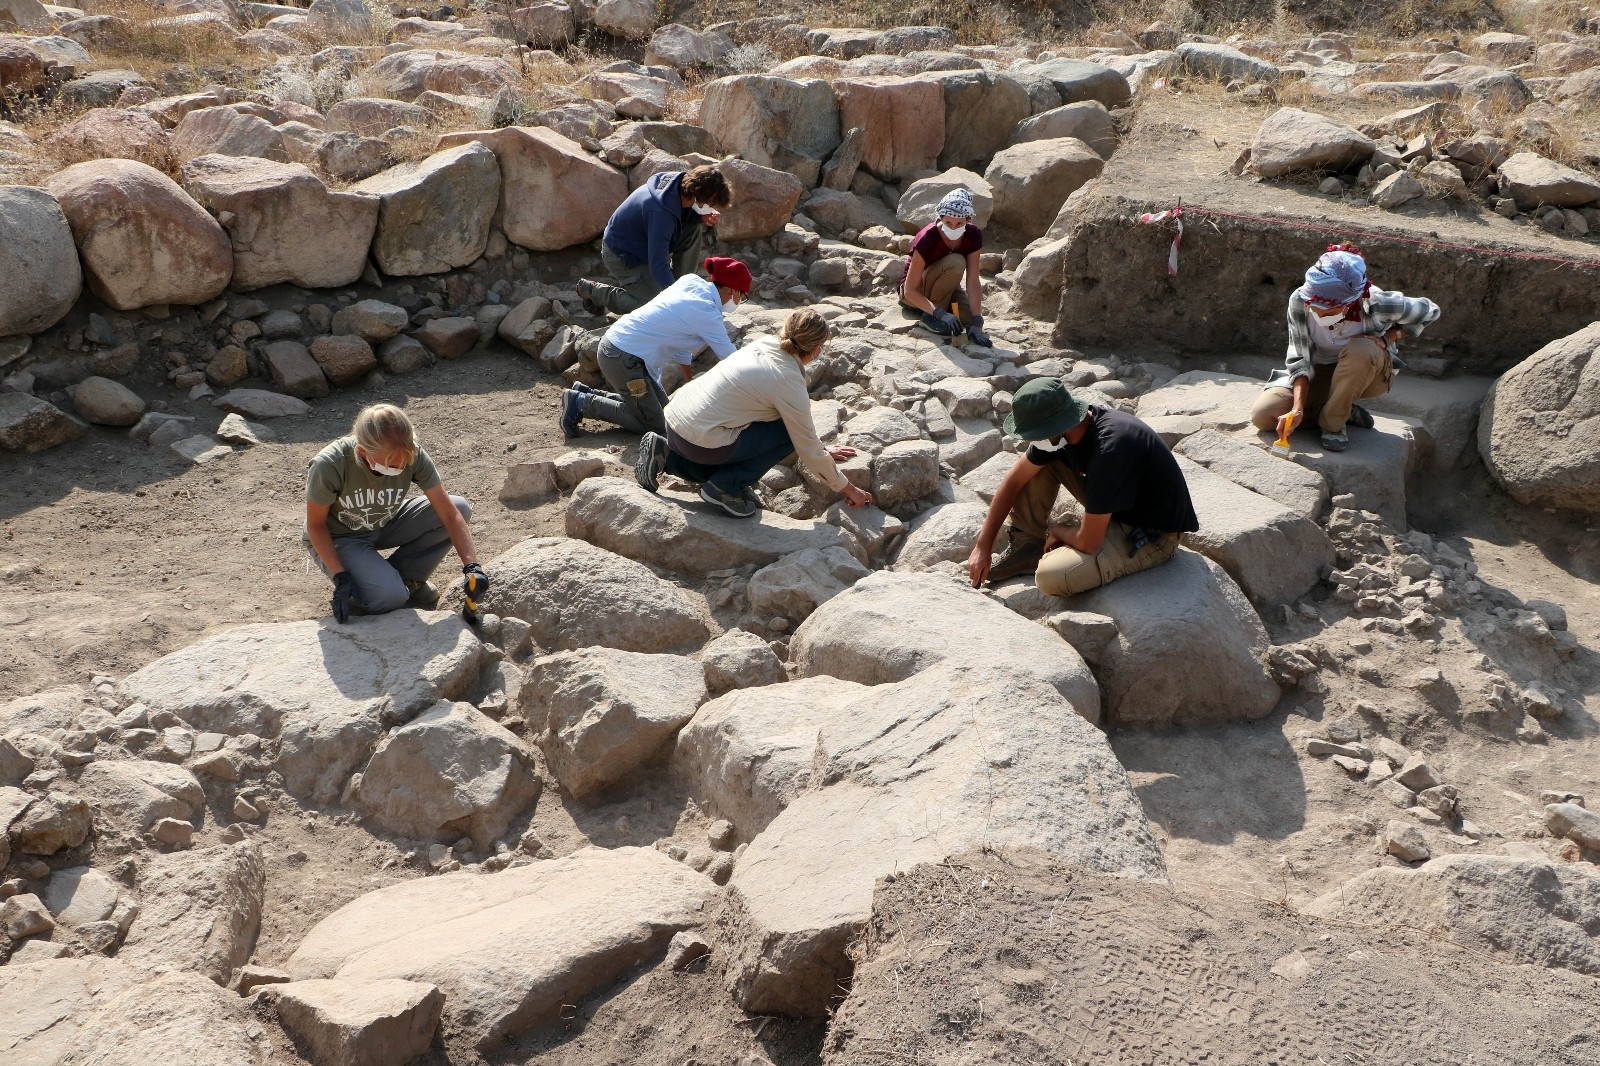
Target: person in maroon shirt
943,255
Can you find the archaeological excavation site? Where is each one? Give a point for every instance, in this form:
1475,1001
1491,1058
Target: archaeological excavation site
781,533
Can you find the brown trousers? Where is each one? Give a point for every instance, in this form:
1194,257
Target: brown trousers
941,284
1364,370
1066,571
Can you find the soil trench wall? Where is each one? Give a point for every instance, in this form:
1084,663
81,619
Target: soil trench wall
1234,280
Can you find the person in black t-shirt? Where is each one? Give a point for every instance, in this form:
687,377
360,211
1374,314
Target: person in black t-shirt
1135,501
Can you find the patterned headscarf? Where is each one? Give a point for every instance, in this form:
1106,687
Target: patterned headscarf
957,203
1339,277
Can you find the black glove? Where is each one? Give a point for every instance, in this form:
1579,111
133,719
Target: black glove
976,333
941,322
344,596
476,580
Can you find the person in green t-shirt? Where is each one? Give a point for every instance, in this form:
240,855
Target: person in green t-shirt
356,507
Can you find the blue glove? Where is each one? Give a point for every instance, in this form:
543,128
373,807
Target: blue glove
976,333
941,322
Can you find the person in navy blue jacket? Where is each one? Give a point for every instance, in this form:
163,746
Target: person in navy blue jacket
656,236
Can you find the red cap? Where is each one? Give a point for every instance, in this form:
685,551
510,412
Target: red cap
730,272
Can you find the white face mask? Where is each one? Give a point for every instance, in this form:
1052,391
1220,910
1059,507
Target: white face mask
702,210
1048,445
952,233
728,306
382,471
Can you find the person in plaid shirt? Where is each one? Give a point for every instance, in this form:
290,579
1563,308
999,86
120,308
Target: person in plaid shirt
1342,335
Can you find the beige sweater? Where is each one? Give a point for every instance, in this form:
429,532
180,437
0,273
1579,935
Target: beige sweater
758,383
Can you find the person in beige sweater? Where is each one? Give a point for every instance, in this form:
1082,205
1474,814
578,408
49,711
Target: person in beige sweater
732,424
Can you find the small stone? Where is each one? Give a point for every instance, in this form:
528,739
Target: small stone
1353,767
686,948
1440,799
1424,816
1573,822
244,810
1406,842
1397,794
1350,751
720,833
1345,729
24,915
174,831
252,977
1416,774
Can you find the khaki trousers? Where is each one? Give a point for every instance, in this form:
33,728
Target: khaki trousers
941,284
1364,370
1066,571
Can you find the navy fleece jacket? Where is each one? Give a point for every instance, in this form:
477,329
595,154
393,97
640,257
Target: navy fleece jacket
643,229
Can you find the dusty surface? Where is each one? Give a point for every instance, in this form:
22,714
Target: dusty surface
1013,959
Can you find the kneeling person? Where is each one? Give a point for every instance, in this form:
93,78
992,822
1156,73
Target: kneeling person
1135,501
356,507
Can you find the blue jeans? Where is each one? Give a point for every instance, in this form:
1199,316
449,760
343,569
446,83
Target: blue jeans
760,447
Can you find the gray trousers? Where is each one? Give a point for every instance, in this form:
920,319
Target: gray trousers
639,401
634,286
419,539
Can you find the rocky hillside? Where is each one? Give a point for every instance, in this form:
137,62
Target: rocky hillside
790,790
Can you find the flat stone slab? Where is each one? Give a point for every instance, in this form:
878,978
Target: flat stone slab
1274,554
681,533
509,949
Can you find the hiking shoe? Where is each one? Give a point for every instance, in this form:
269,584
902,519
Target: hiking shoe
1335,442
1360,417
1021,557
423,594
651,462
578,386
585,290
739,506
572,404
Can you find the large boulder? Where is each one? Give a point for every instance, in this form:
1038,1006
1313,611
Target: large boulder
22,68
102,1011
890,626
918,204
1534,181
1274,554
1033,179
370,117
24,15
576,595
1539,431
112,133
1087,120
763,200
903,119
199,910
958,757
434,216
408,74
1220,62
676,532
632,20
142,240
508,949
325,692
29,424
945,533
134,794
1294,140
1537,912
38,260
553,194
226,131
981,108
1077,80
600,715
776,122
450,772
1300,489
359,1023
1189,647
285,224
677,46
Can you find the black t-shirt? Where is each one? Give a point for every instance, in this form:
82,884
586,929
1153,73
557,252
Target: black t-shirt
1127,472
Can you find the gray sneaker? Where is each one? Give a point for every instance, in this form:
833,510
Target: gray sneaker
651,462
739,506
423,594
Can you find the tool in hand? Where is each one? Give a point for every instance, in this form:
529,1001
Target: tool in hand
474,583
1280,447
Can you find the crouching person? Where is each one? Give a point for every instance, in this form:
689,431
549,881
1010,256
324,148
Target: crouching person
1135,501
744,416
1342,348
356,508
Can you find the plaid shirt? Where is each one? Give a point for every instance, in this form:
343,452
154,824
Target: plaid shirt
1380,312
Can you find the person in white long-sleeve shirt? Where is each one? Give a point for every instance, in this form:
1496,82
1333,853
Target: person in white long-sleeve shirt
671,328
732,424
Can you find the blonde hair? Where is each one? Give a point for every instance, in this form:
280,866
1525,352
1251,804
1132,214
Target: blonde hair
803,331
383,428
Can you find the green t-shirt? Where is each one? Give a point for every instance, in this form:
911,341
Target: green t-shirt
358,500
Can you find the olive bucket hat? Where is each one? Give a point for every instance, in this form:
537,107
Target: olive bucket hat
1043,408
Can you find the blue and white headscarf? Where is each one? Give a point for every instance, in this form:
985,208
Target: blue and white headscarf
957,203
1336,279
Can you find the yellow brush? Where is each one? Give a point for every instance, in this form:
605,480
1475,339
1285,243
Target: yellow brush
1280,447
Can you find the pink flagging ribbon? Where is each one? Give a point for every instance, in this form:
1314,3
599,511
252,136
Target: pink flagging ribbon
1155,218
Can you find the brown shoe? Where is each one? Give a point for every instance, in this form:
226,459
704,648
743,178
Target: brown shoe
1021,557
